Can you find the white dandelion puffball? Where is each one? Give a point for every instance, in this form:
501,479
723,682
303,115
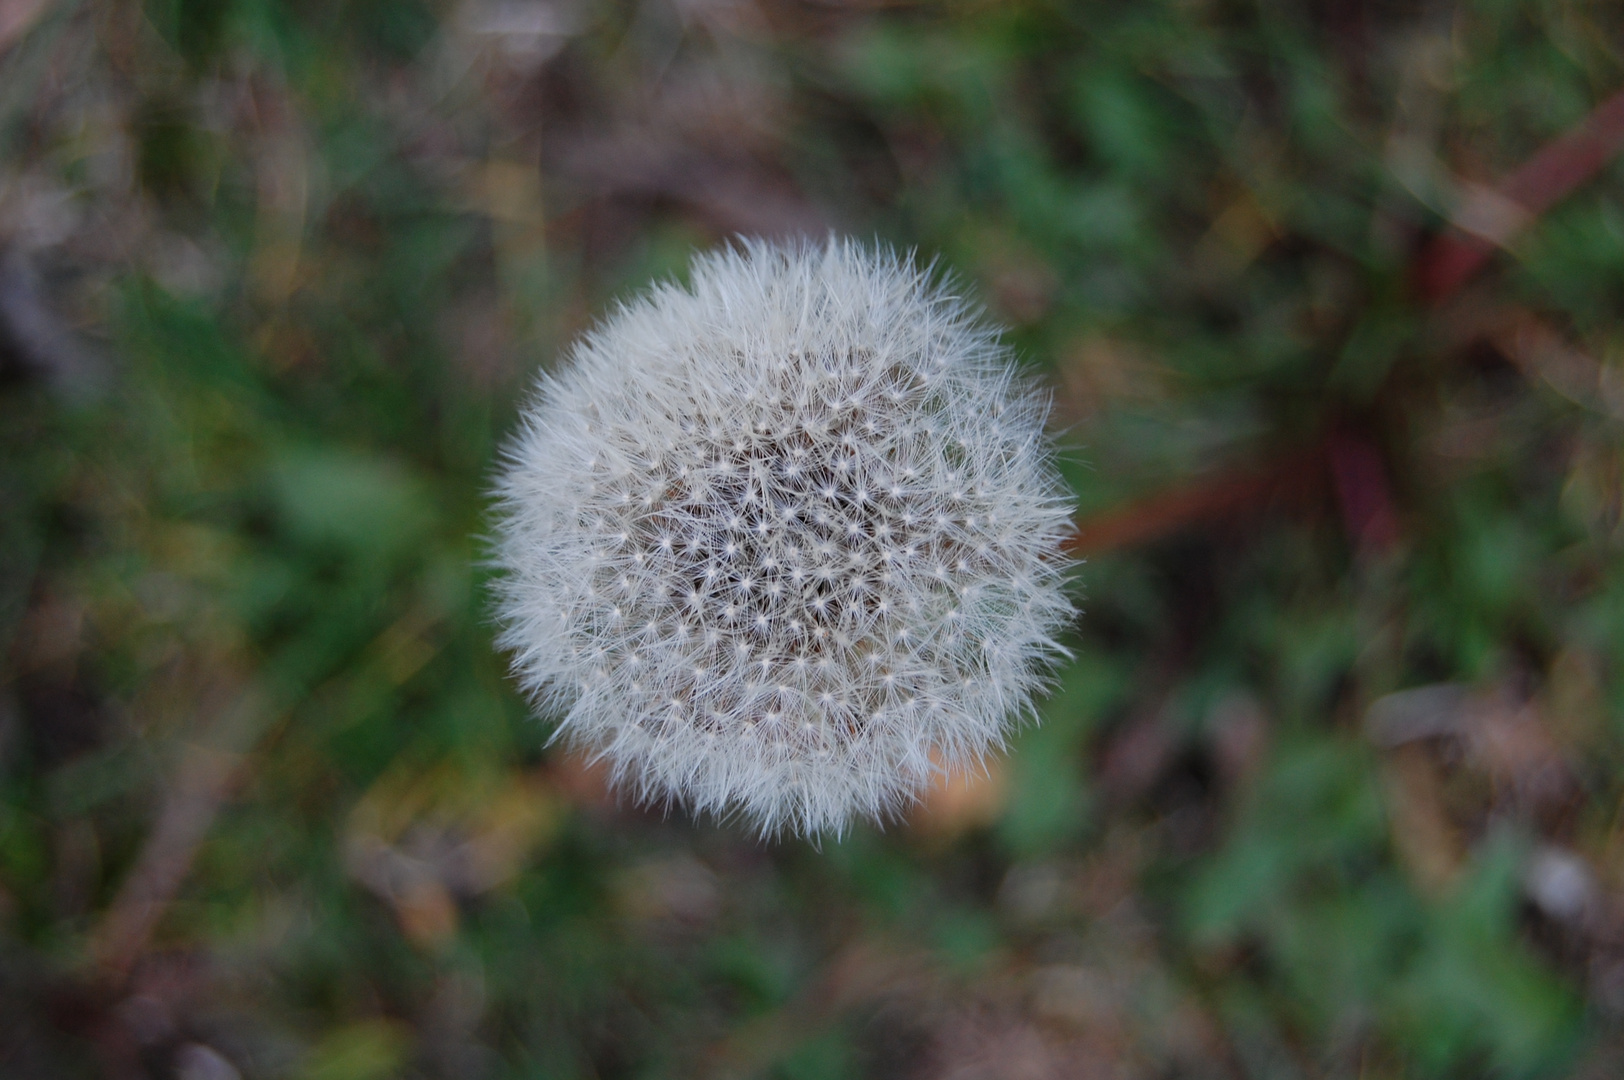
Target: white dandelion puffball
784,543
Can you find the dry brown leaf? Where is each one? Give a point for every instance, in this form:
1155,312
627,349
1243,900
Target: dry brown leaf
962,800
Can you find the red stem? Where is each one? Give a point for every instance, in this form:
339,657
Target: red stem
1445,264
1454,256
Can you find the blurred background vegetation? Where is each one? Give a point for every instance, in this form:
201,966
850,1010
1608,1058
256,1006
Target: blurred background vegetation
1333,788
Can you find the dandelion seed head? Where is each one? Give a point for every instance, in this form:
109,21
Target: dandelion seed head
785,542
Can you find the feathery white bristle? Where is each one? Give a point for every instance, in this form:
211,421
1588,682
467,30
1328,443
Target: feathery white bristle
785,542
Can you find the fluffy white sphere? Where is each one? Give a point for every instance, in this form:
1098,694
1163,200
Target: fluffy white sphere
785,542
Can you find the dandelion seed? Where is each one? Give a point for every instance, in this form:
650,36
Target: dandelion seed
818,406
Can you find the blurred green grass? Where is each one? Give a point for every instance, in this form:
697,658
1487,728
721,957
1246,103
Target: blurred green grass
276,275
